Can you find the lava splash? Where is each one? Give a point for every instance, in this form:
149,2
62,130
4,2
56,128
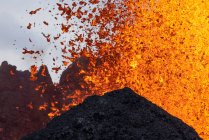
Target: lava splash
159,48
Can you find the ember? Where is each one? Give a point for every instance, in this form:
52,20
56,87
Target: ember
35,11
159,48
34,71
29,26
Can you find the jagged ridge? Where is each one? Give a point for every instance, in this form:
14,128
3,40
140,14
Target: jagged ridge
19,102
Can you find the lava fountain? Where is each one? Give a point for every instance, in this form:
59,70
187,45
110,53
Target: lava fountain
159,48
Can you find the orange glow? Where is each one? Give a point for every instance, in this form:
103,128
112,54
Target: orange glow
33,73
54,111
43,107
161,53
159,48
43,72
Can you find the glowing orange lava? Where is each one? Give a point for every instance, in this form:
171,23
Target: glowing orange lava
34,71
159,48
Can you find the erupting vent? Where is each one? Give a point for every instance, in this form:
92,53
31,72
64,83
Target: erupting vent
159,48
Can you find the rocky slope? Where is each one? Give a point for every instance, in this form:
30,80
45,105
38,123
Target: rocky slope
118,115
20,102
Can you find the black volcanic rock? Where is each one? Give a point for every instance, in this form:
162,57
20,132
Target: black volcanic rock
71,77
118,115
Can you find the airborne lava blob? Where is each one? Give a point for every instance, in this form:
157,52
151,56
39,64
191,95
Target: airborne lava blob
159,48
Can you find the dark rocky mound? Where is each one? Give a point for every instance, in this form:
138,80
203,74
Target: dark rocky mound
19,102
118,115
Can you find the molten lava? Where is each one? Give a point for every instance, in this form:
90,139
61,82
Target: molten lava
34,71
159,48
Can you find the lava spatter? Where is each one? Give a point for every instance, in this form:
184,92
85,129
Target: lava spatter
158,48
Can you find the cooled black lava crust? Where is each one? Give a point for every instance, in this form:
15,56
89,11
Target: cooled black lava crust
118,115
